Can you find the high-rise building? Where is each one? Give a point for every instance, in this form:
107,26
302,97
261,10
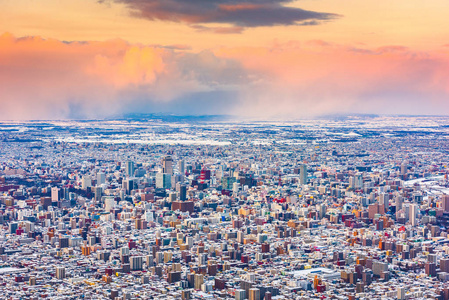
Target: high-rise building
235,187
128,185
136,262
101,178
404,168
149,216
60,273
199,279
401,293
322,210
86,182
163,181
384,200
240,294
358,181
445,203
167,165
54,194
13,227
399,202
254,294
109,203
129,168
227,182
176,178
413,213
183,192
181,166
303,174
98,193
352,182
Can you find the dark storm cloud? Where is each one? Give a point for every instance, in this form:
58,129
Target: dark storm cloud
239,14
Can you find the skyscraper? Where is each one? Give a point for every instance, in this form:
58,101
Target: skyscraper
404,168
445,203
167,165
101,178
384,200
163,181
60,272
98,193
54,194
129,168
358,181
182,190
413,213
181,166
399,202
303,174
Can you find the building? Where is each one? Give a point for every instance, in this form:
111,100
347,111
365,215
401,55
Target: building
254,294
86,182
54,194
413,210
384,200
167,165
128,185
358,181
136,263
109,203
182,190
98,193
129,168
60,273
181,167
445,203
101,178
163,181
303,174
404,168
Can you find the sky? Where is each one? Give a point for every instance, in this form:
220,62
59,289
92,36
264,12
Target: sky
261,59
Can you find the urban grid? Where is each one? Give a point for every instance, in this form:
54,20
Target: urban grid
344,208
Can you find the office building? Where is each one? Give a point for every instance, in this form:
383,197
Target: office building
303,174
167,165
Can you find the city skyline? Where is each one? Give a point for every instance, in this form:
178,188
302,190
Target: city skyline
258,59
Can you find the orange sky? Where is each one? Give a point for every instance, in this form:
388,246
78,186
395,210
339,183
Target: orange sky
185,57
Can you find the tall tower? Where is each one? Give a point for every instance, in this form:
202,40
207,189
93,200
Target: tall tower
54,194
358,181
413,213
167,165
181,166
404,168
303,174
129,168
384,200
445,203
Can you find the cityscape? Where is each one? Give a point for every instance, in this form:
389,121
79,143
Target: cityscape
340,208
224,149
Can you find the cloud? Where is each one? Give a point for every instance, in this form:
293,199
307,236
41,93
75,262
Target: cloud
47,78
234,13
313,78
220,30
51,79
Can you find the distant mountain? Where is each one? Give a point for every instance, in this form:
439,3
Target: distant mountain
343,117
172,117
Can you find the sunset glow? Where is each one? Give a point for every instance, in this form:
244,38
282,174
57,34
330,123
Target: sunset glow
262,58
